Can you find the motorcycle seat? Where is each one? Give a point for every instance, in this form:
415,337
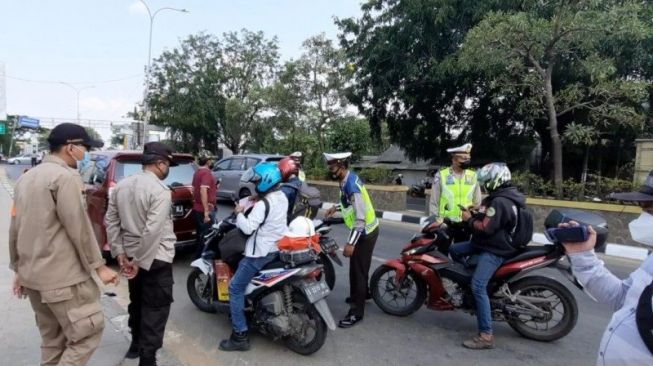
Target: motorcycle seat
530,252
275,264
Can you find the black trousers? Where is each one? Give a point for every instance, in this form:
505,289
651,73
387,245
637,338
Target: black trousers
359,269
202,228
150,295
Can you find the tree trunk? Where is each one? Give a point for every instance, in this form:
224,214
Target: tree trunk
583,177
556,143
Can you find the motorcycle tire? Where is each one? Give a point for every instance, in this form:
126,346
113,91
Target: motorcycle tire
328,271
379,298
566,298
301,304
199,300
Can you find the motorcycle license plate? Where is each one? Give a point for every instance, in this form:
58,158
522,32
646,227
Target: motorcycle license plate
315,290
177,210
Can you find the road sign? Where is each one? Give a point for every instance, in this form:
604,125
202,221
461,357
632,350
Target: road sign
28,122
3,128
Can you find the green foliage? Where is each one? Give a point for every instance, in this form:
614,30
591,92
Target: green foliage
596,187
379,176
532,184
351,135
212,89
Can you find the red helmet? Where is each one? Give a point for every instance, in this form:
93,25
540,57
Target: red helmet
288,168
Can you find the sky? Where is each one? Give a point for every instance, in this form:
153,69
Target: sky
100,47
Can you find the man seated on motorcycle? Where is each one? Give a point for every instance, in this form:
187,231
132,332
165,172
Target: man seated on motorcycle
292,184
490,241
265,224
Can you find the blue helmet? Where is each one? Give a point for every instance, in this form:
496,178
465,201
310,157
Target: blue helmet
265,176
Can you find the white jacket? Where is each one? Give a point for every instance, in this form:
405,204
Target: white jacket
621,343
263,239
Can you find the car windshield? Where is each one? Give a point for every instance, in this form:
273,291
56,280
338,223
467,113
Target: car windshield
181,174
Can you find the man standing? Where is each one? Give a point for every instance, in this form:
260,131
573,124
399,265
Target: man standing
454,187
53,251
297,156
359,216
204,198
140,231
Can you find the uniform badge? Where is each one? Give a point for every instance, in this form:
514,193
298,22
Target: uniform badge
450,179
490,212
469,179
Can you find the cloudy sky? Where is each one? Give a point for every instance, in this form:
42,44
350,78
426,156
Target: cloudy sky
100,47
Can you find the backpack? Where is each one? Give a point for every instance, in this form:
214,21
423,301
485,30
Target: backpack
644,317
232,245
522,232
307,203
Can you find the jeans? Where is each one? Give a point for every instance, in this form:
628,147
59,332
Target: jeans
202,228
488,263
247,269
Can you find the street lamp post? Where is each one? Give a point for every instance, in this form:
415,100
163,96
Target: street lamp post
77,90
146,116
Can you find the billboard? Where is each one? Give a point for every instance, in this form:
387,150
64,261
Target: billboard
28,122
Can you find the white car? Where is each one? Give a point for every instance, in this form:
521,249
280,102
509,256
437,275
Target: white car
22,159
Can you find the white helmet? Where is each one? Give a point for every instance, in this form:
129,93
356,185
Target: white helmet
301,227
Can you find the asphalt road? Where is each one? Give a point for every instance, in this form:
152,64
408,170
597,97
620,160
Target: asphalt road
424,338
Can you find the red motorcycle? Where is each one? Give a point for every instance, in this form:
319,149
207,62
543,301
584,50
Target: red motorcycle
535,306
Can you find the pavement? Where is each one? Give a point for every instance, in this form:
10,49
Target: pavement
424,338
19,336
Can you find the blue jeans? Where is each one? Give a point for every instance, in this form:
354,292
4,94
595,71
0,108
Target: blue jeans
488,263
247,269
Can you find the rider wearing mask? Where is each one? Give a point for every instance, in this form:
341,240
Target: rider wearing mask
453,187
265,225
492,230
628,339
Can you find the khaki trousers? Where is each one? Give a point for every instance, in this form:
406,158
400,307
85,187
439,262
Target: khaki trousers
70,321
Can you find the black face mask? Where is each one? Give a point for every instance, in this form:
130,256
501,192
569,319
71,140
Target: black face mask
465,165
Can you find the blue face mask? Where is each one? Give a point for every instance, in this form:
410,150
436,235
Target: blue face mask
81,164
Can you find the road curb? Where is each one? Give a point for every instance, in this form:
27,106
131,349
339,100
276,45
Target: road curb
611,249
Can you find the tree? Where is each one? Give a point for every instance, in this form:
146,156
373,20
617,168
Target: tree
352,135
551,54
402,57
584,136
211,89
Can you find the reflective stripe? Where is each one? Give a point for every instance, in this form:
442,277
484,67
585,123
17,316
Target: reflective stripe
349,215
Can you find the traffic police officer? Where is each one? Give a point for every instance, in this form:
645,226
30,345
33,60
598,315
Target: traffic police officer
140,231
359,216
53,250
453,187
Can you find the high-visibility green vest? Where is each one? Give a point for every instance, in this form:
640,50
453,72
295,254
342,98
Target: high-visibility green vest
347,210
456,191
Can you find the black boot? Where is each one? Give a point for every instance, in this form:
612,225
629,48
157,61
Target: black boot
132,352
238,341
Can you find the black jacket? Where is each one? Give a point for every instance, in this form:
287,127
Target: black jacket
491,230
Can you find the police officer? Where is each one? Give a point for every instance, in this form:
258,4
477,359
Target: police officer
359,216
297,156
453,187
53,251
140,231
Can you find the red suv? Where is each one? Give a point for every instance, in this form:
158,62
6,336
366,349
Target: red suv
107,168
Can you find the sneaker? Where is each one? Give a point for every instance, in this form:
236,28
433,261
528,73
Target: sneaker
479,343
349,321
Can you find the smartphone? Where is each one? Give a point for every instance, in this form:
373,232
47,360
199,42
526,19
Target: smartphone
463,208
572,234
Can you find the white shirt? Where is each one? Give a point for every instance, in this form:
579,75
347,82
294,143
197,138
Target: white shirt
264,240
621,343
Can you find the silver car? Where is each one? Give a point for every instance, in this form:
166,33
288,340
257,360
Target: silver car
23,159
229,170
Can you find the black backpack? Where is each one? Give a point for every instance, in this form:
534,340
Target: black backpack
522,232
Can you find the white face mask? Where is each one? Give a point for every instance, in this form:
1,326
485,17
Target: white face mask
641,229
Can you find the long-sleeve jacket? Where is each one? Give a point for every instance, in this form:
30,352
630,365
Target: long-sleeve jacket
51,239
139,222
621,343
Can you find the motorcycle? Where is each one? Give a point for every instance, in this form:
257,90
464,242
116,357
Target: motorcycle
537,307
285,300
329,252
